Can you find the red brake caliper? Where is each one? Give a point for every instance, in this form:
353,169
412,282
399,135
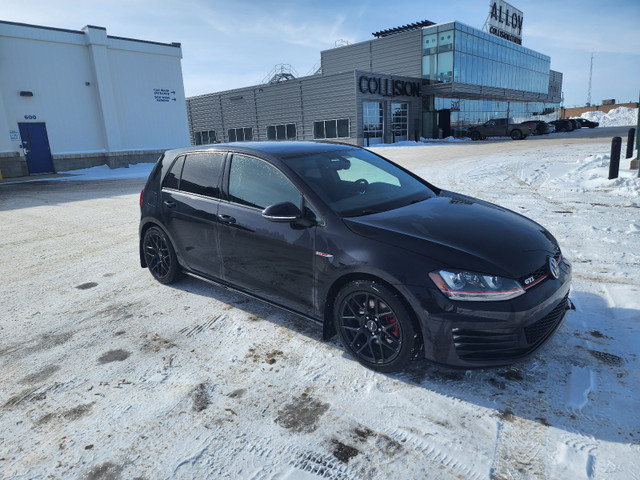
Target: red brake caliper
390,320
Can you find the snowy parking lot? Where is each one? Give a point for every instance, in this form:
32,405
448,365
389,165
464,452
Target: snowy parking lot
108,374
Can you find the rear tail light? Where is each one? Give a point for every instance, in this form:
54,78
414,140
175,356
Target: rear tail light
141,196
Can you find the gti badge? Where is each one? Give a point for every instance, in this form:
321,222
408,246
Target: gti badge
553,267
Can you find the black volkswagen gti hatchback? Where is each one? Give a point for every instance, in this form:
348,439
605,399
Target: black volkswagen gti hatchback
397,267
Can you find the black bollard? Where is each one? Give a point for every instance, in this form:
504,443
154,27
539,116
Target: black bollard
630,139
614,164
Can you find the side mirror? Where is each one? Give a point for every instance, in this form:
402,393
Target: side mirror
282,212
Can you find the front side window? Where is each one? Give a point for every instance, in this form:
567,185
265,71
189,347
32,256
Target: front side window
258,184
201,174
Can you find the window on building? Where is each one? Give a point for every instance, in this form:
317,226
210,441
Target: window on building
331,129
204,137
256,183
400,121
372,121
240,134
282,132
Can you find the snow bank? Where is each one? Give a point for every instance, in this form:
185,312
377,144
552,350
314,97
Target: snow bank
618,117
591,174
423,142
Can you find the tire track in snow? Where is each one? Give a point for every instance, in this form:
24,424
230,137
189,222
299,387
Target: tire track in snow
520,449
429,449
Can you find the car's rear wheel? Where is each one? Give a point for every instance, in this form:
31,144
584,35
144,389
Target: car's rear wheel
374,325
160,256
516,134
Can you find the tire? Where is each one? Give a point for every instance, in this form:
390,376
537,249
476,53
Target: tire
374,326
475,136
160,256
516,134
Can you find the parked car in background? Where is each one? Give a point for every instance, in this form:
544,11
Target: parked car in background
501,127
586,123
393,265
575,123
540,127
562,125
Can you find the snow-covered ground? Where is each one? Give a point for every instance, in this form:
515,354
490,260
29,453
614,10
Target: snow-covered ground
107,374
618,117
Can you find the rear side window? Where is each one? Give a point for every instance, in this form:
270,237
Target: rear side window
172,180
258,184
201,174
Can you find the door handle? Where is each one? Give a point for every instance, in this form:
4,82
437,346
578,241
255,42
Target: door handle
169,204
228,219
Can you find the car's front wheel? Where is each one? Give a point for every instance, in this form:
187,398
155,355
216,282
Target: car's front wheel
374,325
475,136
160,256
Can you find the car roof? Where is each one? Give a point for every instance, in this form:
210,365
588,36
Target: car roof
277,149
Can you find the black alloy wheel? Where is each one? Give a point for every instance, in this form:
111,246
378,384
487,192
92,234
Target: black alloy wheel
374,326
160,256
475,135
516,134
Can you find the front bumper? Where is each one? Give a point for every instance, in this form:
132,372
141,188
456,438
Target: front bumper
484,334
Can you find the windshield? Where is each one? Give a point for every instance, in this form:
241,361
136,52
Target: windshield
357,182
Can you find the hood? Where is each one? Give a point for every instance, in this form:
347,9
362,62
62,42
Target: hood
457,231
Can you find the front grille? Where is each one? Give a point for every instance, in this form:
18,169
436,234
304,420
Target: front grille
506,343
538,275
537,332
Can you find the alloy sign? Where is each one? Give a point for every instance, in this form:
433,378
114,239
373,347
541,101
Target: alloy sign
505,21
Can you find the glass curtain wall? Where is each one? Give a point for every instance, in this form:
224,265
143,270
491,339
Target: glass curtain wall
453,52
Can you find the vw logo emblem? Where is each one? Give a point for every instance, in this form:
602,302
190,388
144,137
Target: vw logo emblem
553,267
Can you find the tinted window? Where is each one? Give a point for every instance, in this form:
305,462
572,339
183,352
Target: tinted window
258,184
172,180
201,174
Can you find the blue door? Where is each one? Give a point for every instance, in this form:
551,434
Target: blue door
36,147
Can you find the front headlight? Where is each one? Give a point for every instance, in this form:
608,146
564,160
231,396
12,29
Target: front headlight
478,287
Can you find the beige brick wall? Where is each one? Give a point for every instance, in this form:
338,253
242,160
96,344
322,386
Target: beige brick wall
578,111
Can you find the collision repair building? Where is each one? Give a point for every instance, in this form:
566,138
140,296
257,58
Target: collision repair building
420,80
75,99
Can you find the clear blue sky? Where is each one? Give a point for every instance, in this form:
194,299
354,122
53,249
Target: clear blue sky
229,44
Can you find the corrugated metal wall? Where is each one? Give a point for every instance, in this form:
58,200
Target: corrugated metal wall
398,54
301,101
347,58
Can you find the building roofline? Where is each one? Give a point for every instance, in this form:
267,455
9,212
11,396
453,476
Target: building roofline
80,32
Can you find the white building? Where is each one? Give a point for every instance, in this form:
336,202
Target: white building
74,99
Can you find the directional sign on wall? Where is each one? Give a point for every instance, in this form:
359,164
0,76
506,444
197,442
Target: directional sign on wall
164,95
